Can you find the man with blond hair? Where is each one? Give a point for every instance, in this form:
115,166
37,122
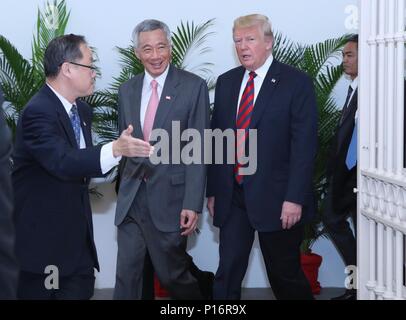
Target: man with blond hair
279,102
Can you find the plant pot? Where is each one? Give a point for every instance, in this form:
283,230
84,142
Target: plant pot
160,291
310,266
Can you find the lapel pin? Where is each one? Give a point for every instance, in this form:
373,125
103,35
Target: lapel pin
84,123
168,97
273,80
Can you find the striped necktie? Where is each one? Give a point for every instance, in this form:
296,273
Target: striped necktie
243,122
75,120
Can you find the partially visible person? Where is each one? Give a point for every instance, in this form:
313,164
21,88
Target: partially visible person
54,159
278,101
341,201
158,204
8,262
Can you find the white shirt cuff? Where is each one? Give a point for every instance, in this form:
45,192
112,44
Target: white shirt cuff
107,159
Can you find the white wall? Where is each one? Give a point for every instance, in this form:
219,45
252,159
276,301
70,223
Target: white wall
107,24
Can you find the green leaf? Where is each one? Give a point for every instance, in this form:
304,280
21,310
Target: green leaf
20,78
321,62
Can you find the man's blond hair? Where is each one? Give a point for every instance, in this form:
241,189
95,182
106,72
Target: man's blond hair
252,20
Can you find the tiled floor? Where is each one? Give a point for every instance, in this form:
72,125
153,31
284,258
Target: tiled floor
247,294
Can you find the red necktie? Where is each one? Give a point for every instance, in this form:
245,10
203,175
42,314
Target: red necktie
243,122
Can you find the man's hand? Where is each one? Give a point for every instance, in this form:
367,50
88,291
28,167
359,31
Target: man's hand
188,221
210,205
128,146
291,214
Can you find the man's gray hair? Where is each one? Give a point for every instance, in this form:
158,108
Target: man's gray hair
150,25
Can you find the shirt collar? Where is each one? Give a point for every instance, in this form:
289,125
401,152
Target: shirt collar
66,104
263,70
354,83
160,79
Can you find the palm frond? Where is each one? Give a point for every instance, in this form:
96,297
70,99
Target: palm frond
320,62
286,51
323,54
19,78
188,39
51,23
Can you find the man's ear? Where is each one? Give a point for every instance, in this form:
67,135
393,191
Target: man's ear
65,69
269,43
136,53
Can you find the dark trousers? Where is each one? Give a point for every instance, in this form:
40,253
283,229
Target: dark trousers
280,250
136,237
204,279
31,286
339,230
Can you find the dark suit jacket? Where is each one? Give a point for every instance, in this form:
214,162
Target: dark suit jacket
8,263
50,178
342,180
170,187
285,116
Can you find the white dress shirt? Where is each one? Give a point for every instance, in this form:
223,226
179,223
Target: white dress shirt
258,80
107,159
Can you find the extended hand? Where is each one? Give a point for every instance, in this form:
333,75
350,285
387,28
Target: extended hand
129,146
291,214
188,221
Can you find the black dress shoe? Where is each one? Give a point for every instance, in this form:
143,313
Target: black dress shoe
206,280
348,295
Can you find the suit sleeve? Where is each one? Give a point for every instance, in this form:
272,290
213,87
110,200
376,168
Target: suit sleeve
8,263
195,179
121,127
211,169
43,137
303,128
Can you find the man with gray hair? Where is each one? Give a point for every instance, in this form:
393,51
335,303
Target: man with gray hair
279,102
54,158
158,204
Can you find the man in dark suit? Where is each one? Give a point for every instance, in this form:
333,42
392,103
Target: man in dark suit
277,101
53,161
158,204
340,202
8,263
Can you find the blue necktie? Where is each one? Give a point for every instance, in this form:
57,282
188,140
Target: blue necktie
75,120
351,159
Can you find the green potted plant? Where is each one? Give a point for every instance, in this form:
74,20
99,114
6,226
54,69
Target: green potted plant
321,62
187,40
21,78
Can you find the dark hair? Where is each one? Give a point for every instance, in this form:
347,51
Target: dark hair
353,38
62,49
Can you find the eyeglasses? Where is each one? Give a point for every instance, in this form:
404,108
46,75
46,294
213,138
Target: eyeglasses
93,68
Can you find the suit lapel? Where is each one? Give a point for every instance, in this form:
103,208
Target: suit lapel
168,95
352,105
265,94
135,100
234,94
85,124
62,115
